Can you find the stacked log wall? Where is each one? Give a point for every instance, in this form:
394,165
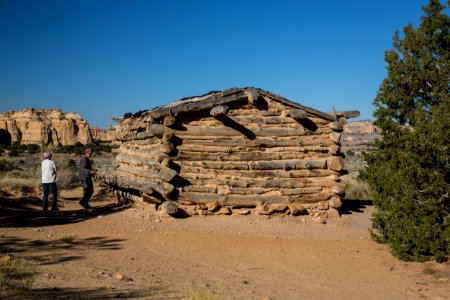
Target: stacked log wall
245,158
284,163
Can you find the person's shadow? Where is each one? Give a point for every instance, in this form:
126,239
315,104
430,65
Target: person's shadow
26,212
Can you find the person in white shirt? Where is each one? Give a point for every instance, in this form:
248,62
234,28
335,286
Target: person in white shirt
49,178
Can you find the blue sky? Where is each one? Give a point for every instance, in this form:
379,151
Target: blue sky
102,58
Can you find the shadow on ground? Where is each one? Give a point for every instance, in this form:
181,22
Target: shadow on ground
350,206
26,212
100,293
55,251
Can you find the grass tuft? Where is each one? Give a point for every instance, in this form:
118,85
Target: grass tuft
16,277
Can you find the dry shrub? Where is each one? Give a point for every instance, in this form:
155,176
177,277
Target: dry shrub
356,189
19,186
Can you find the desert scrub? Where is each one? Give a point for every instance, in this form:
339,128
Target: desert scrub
67,172
20,186
356,189
16,277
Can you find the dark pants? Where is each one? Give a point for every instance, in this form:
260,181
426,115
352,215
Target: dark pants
52,187
88,190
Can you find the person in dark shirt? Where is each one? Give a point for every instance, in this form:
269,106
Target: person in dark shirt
86,172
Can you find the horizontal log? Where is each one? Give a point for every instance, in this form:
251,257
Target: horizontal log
123,158
347,114
257,165
125,133
201,173
284,192
157,175
208,102
232,200
147,187
249,182
222,149
227,131
319,140
245,156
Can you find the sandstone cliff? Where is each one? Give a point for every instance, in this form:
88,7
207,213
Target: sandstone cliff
46,127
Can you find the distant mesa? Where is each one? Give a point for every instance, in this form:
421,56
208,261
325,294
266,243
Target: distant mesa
361,127
47,127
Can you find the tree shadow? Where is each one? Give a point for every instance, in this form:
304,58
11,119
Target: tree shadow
350,206
54,251
101,293
26,212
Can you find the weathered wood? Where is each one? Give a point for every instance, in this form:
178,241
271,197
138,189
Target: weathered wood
202,173
259,165
233,200
318,140
167,148
252,96
335,137
227,131
247,182
123,158
147,187
347,114
169,120
220,149
246,155
150,199
298,114
167,136
186,106
336,126
141,133
219,110
167,174
335,163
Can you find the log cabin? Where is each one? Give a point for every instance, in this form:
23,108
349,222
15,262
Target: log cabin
232,149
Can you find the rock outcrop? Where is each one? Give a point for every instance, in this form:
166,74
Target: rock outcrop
361,127
46,127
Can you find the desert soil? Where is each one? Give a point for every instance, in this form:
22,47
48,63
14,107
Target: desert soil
131,252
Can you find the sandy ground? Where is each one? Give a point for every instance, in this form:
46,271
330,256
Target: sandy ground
111,252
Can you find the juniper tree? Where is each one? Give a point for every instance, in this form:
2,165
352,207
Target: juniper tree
409,171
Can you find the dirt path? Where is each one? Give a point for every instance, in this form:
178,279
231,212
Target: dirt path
132,253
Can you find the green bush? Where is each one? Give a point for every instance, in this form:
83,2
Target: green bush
14,152
6,166
33,148
409,171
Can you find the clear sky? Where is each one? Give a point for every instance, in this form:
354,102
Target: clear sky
102,58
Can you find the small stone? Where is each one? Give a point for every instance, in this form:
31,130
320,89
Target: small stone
224,211
121,277
212,206
169,207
